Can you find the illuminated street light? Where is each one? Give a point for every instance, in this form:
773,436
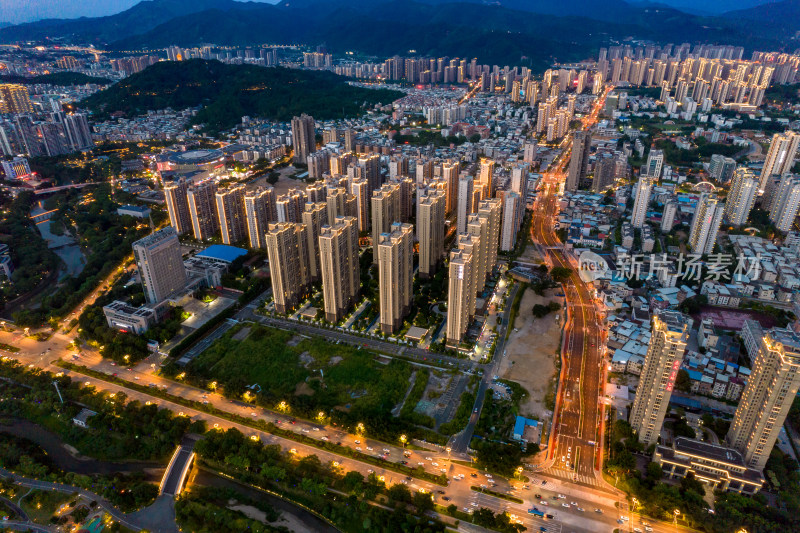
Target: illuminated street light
403,439
360,427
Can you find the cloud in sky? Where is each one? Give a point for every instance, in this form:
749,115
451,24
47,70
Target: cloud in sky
17,11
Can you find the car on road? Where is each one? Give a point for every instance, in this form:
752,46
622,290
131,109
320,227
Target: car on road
562,497
446,498
427,458
358,448
358,441
538,496
598,510
573,503
369,448
581,509
324,437
473,474
565,505
544,502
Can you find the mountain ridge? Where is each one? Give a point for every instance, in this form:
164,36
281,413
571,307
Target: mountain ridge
494,32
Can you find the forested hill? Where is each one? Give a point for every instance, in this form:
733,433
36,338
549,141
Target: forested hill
228,92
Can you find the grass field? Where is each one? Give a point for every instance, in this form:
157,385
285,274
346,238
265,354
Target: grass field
40,505
311,375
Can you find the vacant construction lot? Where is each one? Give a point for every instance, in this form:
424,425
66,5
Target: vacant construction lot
531,351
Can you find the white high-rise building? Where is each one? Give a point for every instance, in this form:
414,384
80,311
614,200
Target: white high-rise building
655,162
385,208
529,153
785,202
287,249
742,196
430,230
259,209
460,296
767,398
341,275
670,333
668,215
304,141
781,156
395,254
465,202
160,263
230,208
177,199
643,189
486,176
519,180
513,212
705,224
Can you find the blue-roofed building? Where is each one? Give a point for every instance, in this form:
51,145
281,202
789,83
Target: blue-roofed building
688,403
519,427
137,211
223,252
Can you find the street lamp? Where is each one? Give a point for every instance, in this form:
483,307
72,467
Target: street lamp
212,385
676,513
403,439
519,472
360,427
321,416
283,406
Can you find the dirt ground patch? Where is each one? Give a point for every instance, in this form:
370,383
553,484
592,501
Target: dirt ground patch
531,350
241,334
284,182
303,389
733,319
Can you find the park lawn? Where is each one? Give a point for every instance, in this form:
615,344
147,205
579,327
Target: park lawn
310,374
40,505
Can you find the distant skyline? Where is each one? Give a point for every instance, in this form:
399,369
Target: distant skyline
19,11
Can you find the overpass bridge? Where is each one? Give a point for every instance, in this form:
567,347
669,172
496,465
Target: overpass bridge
172,483
38,192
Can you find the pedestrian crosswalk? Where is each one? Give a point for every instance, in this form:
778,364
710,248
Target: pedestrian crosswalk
569,475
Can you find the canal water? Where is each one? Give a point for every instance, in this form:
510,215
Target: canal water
297,518
64,245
